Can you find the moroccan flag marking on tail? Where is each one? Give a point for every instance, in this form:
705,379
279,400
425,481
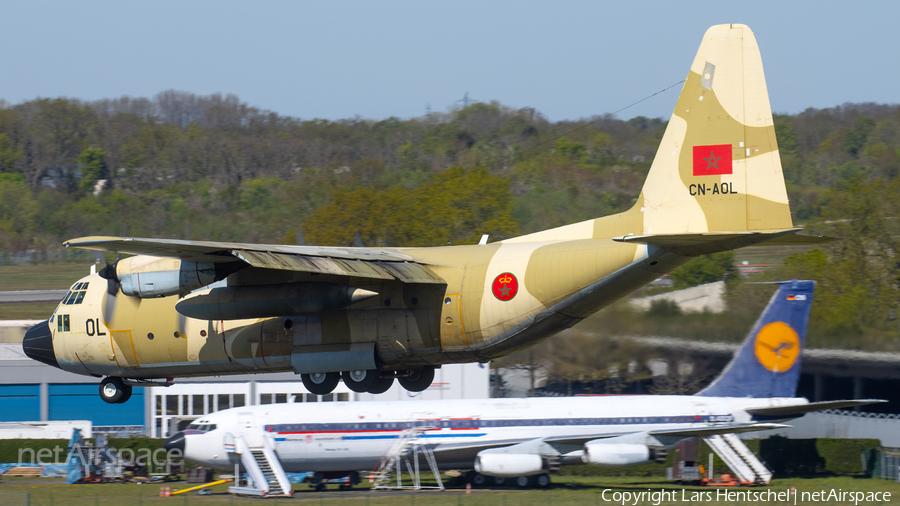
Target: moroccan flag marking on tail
712,160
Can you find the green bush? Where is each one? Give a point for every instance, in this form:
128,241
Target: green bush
10,448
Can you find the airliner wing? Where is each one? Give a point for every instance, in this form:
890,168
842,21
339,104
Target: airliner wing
349,262
558,445
697,432
801,409
719,429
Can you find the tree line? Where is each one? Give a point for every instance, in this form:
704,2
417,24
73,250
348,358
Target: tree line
184,166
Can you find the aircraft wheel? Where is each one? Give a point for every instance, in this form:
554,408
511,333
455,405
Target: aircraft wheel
360,381
320,383
112,390
499,481
381,386
479,480
126,394
419,380
542,480
523,481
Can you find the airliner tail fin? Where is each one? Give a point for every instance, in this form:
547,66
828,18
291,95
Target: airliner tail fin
768,363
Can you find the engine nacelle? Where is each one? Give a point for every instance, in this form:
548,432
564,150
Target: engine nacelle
147,276
508,465
615,454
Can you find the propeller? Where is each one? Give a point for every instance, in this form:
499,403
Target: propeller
112,287
109,274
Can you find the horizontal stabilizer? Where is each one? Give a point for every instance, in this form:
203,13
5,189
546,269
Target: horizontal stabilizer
708,242
801,240
801,409
723,429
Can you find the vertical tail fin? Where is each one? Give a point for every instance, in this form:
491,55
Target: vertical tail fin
718,168
768,363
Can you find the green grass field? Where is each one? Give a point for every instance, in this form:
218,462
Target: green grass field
27,310
565,491
50,276
42,276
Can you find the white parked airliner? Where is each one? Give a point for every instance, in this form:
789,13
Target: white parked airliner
520,438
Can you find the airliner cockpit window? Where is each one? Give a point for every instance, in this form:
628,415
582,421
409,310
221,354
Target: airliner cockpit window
202,427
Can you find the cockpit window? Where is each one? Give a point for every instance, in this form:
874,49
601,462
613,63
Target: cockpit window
76,294
202,427
62,323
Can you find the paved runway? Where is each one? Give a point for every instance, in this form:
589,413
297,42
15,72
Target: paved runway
32,296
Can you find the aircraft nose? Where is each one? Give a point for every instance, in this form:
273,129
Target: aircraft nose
175,442
38,344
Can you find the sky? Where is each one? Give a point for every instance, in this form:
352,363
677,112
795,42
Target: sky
333,60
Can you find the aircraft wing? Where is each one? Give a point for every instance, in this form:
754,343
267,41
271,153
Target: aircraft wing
801,409
697,432
350,262
562,442
719,429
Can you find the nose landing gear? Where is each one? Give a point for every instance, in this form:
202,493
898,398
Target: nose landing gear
114,391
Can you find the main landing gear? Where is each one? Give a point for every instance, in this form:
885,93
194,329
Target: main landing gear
480,480
371,381
114,391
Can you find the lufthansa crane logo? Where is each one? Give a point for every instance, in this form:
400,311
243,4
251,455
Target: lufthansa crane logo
505,286
777,346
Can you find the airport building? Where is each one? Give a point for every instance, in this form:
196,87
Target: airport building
31,391
34,392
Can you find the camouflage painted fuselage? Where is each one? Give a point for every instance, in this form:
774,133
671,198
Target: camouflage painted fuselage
715,184
556,285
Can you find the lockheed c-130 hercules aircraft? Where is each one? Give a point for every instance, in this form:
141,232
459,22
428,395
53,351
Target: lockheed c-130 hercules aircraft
370,315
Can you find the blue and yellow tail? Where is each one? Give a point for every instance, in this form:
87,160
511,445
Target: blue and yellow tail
768,363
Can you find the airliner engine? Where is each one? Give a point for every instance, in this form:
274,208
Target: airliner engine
615,454
508,465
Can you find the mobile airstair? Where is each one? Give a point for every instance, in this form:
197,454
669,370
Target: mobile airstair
264,469
408,449
742,462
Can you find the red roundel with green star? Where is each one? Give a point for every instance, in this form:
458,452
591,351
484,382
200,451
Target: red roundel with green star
505,286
